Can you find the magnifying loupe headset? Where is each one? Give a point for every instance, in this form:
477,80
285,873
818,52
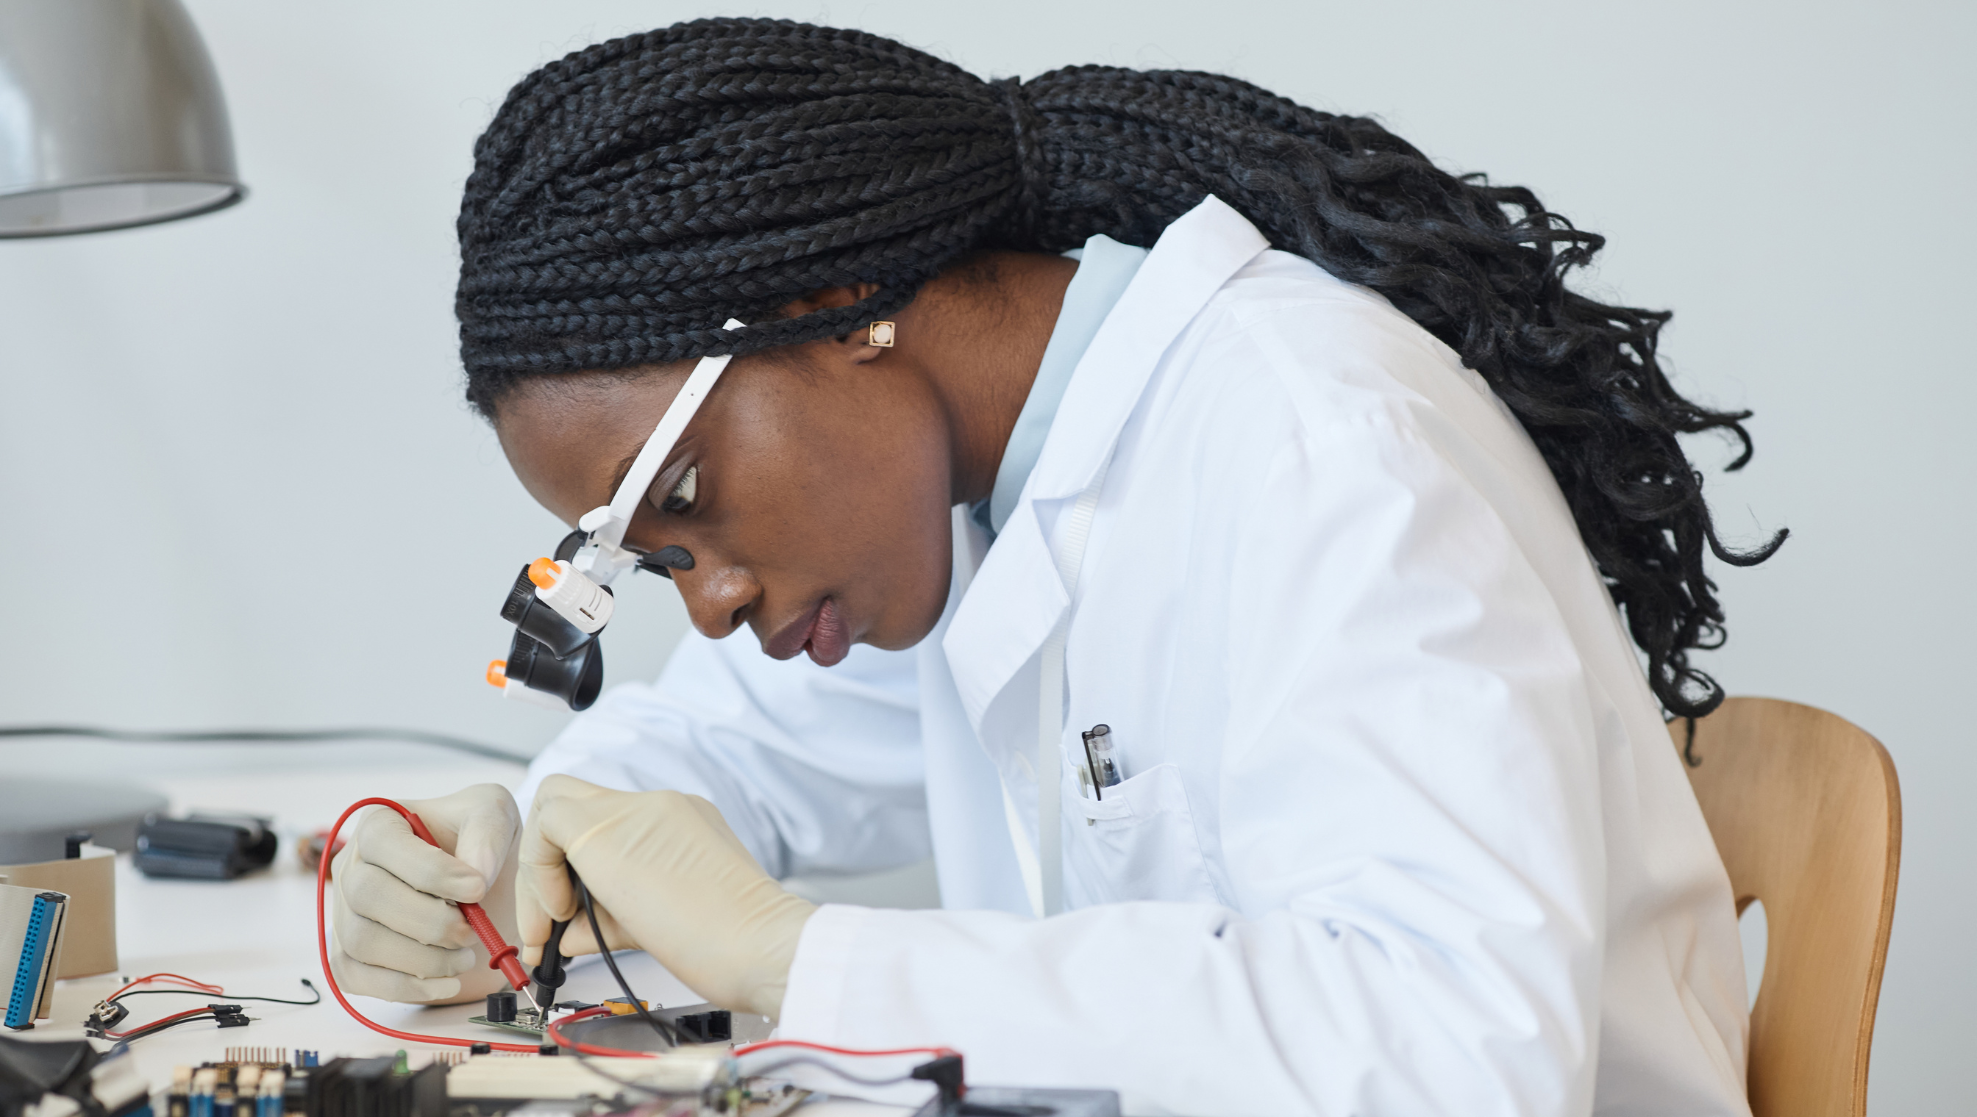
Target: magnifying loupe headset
560,605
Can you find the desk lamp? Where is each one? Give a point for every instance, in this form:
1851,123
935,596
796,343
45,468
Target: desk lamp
110,116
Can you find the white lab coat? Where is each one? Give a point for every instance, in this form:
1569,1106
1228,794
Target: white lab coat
1402,830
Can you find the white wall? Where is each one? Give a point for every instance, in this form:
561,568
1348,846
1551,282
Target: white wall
240,438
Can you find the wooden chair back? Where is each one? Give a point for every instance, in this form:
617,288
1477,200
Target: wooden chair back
1807,815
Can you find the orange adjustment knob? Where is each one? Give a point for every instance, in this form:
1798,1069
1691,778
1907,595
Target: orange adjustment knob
497,673
544,574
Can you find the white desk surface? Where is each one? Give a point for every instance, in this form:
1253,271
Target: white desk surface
256,935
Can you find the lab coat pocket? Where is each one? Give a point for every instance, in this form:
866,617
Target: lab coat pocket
1140,843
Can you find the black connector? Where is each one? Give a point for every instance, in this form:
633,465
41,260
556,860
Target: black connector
946,1074
705,1027
107,1015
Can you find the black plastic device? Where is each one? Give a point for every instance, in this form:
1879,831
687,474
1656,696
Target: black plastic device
548,653
203,846
551,655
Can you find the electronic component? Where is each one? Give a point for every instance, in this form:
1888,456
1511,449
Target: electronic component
624,1006
526,1021
621,1027
31,925
501,1007
86,874
696,1082
716,1026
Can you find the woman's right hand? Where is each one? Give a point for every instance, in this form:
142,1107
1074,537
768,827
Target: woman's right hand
398,934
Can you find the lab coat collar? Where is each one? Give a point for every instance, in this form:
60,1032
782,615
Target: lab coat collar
1017,596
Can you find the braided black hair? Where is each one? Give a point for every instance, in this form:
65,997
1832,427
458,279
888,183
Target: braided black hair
631,197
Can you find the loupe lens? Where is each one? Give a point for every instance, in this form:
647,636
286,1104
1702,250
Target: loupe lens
575,678
526,611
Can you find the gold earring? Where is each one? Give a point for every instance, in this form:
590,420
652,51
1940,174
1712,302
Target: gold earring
880,334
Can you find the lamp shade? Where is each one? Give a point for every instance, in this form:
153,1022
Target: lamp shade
110,116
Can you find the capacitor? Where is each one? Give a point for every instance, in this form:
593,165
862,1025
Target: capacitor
178,1102
501,1007
200,1100
268,1103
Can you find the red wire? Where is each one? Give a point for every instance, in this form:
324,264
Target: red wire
161,1020
553,1033
147,979
936,1052
557,1037
322,936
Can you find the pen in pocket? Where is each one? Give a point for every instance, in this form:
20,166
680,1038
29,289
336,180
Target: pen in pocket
1100,758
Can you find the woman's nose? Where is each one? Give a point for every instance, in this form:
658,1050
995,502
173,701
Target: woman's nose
718,598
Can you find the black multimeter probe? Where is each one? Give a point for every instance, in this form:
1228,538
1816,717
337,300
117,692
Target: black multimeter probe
548,975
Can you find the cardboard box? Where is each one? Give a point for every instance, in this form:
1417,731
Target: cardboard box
90,938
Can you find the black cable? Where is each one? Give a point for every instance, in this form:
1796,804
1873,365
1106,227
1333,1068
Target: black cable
592,1066
263,736
665,1030
152,1029
834,1068
230,997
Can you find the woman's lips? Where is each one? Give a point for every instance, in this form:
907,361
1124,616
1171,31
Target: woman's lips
828,643
820,632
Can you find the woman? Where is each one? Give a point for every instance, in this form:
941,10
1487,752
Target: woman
1308,478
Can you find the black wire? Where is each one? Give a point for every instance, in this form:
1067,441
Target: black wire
834,1068
230,997
592,1066
263,736
153,1029
666,1031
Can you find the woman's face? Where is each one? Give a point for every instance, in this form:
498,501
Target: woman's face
812,489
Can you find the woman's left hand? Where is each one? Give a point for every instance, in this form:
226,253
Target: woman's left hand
666,875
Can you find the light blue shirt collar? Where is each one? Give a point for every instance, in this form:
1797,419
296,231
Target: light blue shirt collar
1105,268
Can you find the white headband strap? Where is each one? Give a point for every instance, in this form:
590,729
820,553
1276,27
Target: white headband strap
607,523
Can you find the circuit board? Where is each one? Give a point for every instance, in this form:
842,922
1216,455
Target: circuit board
699,1023
691,1082
527,1021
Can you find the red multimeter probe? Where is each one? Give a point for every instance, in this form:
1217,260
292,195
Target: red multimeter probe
501,955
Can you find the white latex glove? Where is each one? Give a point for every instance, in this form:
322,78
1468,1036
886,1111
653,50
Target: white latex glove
667,876
398,935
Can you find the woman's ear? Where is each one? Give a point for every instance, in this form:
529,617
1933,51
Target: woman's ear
826,298
853,348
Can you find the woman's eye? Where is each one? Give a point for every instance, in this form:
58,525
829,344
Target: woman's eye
681,498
